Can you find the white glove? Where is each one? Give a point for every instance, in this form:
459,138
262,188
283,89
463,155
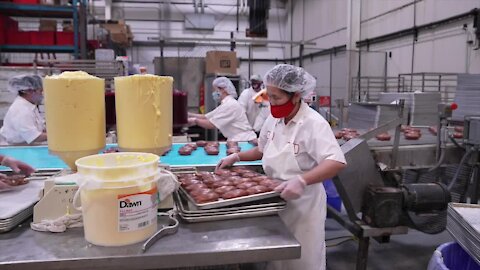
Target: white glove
17,166
227,161
292,189
192,121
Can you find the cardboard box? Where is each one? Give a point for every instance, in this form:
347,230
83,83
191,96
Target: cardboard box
120,33
67,26
115,28
49,2
223,62
48,25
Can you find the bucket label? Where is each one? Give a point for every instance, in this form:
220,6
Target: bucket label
137,211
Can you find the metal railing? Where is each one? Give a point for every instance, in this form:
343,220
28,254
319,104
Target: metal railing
445,83
102,69
368,89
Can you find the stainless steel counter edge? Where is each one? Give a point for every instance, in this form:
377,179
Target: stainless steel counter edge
199,244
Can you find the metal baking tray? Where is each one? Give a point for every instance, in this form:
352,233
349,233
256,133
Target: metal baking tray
222,202
185,207
182,204
7,224
10,223
228,216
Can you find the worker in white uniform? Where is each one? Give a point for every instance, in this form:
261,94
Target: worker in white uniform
23,123
257,109
296,145
229,117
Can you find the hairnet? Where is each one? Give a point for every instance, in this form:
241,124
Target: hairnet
291,79
256,77
225,84
24,82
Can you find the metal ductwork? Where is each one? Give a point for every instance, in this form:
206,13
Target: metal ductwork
257,18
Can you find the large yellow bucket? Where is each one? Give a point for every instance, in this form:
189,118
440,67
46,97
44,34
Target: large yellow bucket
119,197
75,115
144,113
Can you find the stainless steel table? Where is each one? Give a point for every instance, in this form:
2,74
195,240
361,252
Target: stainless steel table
197,244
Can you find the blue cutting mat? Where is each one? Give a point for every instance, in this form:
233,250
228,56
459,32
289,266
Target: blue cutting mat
39,158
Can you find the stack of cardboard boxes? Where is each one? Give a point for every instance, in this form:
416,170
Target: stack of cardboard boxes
120,33
221,62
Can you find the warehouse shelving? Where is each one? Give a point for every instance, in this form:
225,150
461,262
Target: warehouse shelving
47,11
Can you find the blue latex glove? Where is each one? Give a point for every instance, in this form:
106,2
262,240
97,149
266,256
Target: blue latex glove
292,189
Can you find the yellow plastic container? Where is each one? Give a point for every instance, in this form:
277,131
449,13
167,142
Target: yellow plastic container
75,115
144,113
119,197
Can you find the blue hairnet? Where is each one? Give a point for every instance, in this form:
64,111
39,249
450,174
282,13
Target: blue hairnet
24,83
225,84
291,79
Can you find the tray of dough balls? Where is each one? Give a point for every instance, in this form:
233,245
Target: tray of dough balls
225,187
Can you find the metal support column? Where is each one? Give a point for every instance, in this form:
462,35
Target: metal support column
75,28
83,29
300,55
362,253
330,89
396,140
250,56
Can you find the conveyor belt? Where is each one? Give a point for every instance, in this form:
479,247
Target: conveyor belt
39,158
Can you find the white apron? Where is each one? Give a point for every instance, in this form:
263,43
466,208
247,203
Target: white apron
305,217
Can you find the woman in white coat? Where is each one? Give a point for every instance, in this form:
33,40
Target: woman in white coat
229,117
297,145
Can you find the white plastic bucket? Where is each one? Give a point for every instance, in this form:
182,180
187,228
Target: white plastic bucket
119,197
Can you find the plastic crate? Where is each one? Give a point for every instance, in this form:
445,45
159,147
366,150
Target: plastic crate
15,37
6,23
65,38
42,38
26,2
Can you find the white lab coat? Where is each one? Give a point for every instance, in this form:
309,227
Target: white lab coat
230,118
257,113
291,150
22,123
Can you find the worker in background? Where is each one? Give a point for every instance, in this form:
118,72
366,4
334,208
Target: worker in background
229,117
23,123
255,104
296,145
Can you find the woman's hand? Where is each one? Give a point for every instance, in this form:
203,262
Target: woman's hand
192,121
292,189
227,161
17,166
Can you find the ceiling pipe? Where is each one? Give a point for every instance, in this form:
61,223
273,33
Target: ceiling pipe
202,6
195,6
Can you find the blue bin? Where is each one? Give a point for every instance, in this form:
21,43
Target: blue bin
451,256
333,199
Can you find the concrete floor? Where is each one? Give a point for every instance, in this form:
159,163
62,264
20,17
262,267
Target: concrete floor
404,252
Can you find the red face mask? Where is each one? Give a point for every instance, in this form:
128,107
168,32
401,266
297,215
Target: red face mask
282,111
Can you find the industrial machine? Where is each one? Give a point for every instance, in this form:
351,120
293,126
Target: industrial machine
390,186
